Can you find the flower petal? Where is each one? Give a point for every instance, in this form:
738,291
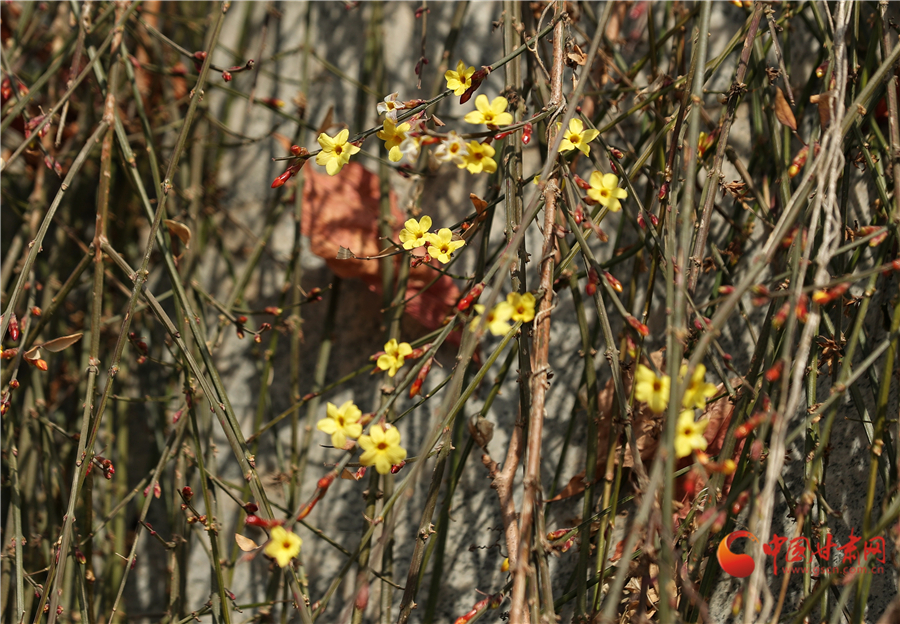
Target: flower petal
576,126
325,142
327,425
482,104
610,181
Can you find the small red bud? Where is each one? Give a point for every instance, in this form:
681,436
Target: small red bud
470,297
774,373
187,493
13,327
226,76
527,131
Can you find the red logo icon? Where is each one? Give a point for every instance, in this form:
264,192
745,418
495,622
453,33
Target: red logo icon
735,564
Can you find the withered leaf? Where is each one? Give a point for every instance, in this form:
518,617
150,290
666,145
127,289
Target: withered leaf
577,56
245,543
327,122
480,206
58,344
180,230
783,110
34,353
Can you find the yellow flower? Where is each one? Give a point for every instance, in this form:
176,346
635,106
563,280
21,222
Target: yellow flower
283,545
453,149
392,358
491,114
342,423
652,390
442,245
415,233
576,137
698,390
390,106
605,190
460,80
497,320
522,306
381,448
478,158
393,135
335,152
689,434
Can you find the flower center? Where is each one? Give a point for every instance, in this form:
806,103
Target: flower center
338,149
604,193
340,421
657,385
454,148
574,139
285,544
382,446
477,155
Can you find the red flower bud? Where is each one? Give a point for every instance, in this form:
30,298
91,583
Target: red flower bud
527,131
13,327
251,508
580,182
639,327
774,373
470,297
187,494
226,76
616,284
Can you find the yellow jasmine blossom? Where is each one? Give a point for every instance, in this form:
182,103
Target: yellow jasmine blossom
453,149
283,545
460,80
522,306
335,152
652,390
478,158
390,106
491,114
342,423
415,233
392,358
689,434
442,245
698,390
605,190
576,137
410,148
393,135
497,320
381,448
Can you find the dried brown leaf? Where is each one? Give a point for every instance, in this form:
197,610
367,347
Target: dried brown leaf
327,122
283,141
180,230
245,543
58,344
783,110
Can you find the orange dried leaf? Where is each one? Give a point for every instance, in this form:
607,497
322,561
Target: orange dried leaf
783,110
245,543
58,344
180,230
